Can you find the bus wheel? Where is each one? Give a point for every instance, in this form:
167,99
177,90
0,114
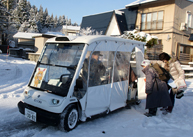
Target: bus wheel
69,118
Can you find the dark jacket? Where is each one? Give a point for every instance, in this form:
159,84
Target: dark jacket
157,91
97,70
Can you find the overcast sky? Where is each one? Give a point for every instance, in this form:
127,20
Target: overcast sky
76,9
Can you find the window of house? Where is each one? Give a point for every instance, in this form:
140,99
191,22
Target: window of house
152,21
181,49
159,42
143,21
189,19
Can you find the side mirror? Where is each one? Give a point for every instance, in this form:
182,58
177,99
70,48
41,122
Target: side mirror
64,78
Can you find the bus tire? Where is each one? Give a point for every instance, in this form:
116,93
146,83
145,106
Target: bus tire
69,118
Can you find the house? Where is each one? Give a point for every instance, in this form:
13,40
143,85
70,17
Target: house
40,39
171,21
70,30
24,42
111,23
30,45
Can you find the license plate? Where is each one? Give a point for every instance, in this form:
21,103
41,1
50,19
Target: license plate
30,114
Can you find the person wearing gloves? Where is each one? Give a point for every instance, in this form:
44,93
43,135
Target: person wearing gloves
156,90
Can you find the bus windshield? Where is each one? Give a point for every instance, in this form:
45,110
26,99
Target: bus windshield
56,67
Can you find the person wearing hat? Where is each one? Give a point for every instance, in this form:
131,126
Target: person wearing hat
156,90
97,69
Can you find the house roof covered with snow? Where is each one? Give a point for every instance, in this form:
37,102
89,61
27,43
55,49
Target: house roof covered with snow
138,2
100,22
25,35
76,28
49,34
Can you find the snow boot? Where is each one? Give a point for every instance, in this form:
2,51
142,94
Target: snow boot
152,112
180,94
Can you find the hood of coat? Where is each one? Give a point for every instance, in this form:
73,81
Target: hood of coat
148,69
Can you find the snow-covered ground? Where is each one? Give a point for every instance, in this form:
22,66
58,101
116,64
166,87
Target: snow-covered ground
14,76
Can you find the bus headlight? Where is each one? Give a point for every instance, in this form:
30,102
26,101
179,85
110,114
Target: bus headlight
55,101
26,93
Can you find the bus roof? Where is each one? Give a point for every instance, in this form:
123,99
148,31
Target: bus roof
90,39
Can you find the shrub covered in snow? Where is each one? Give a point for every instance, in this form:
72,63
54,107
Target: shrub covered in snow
89,31
141,36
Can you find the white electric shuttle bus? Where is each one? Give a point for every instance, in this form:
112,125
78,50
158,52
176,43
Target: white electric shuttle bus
78,78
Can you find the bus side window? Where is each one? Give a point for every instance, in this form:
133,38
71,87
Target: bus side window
121,67
97,69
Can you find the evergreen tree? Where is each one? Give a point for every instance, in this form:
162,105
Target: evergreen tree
51,21
75,24
41,16
27,18
24,27
35,9
45,14
61,20
55,22
68,22
12,4
28,6
24,13
38,22
16,17
47,21
32,21
4,23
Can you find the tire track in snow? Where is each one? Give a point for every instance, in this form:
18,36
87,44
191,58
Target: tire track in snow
13,127
18,75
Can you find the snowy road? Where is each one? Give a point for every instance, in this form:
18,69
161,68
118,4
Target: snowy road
14,76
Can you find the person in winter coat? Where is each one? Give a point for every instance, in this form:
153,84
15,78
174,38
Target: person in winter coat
172,65
97,69
156,90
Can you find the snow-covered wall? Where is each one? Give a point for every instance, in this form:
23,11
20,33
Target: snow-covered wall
113,28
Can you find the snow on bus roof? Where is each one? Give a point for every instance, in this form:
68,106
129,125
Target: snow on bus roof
93,38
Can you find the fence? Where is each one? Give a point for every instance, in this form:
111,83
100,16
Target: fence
184,58
153,53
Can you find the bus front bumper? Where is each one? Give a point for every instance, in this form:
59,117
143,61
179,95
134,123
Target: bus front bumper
42,116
